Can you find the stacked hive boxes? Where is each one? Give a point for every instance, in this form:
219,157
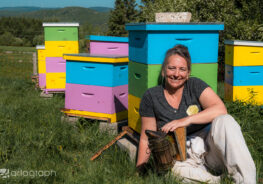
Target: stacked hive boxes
41,60
244,71
148,43
60,38
97,86
108,45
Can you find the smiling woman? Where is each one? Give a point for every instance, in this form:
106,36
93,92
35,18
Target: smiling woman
210,130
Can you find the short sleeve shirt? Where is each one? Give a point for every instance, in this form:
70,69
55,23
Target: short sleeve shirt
154,104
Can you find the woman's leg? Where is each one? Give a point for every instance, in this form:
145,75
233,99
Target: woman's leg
227,147
193,169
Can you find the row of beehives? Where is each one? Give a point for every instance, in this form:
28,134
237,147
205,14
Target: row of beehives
60,38
97,84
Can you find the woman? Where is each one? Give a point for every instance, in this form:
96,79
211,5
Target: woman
166,107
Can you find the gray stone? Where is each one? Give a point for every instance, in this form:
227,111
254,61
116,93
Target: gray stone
173,17
45,95
112,128
128,147
69,119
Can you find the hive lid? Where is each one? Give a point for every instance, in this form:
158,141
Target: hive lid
192,26
107,38
40,46
60,24
243,43
96,58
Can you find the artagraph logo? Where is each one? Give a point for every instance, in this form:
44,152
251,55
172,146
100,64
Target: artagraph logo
6,173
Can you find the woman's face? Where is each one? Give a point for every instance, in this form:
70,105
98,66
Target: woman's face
176,71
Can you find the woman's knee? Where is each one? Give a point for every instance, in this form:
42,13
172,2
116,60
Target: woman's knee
225,121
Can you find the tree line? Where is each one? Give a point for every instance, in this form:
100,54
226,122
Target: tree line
16,31
243,20
29,32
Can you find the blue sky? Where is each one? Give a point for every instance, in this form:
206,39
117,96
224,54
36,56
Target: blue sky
58,3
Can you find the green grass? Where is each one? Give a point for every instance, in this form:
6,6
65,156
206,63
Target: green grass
33,136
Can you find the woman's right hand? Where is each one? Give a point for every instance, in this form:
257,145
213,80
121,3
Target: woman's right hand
171,126
148,123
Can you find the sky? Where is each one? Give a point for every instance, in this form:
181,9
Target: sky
57,3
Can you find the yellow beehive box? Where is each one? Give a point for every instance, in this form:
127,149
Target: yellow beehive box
58,48
116,117
243,53
249,94
41,58
55,80
134,119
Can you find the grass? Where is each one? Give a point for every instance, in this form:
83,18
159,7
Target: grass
34,138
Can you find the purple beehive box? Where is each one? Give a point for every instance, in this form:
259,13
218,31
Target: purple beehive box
98,99
109,45
42,80
55,65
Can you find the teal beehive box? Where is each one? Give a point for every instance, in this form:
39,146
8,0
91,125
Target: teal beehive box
148,42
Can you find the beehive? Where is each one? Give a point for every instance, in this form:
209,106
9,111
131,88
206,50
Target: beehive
244,71
148,43
60,39
97,85
41,67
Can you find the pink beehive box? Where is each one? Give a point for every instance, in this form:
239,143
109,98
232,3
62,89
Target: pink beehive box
108,45
55,64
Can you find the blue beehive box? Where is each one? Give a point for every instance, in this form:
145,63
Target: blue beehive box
148,42
244,75
97,70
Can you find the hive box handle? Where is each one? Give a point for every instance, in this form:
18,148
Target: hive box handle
88,67
123,67
183,39
137,76
136,110
122,95
113,48
87,94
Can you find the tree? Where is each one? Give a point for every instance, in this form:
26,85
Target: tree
242,18
124,12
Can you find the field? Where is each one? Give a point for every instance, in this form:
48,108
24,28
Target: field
34,138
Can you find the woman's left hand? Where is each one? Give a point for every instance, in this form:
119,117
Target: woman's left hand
171,126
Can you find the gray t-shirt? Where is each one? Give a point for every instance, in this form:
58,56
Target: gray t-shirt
154,104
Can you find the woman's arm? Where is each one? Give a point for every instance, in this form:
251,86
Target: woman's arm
212,105
148,123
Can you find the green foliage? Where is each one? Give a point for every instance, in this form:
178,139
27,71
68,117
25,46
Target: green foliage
68,14
242,18
19,31
25,31
150,7
124,12
34,137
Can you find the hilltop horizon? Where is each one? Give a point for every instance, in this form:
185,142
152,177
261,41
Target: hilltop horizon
58,3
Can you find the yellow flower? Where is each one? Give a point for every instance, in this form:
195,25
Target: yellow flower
60,147
192,109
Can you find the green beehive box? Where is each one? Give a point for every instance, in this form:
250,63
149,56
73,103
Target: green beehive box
142,76
207,72
61,31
